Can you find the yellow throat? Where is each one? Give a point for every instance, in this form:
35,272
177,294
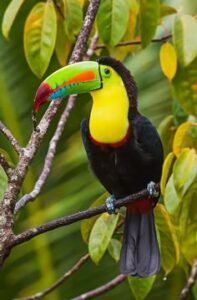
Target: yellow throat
109,115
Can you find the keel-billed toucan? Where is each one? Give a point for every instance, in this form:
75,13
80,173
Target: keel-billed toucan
123,148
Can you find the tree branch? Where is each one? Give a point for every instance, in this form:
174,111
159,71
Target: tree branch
11,138
31,233
66,275
53,143
129,43
102,289
190,282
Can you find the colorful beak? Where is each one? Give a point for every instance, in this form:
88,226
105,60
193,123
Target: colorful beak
78,78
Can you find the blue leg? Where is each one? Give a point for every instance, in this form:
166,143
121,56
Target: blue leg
110,205
153,193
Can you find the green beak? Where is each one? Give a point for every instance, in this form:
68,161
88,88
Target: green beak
78,78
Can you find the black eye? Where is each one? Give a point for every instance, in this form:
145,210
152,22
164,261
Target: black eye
107,72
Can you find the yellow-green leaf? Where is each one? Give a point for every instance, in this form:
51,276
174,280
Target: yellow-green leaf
149,19
112,20
10,15
166,131
189,242
169,246
185,87
184,36
172,200
101,235
168,60
73,17
87,224
63,44
3,182
39,36
166,10
141,287
185,170
114,249
167,167
183,138
121,52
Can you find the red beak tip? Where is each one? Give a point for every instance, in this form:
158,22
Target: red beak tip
42,95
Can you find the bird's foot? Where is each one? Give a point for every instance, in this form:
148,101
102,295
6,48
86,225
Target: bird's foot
110,205
151,188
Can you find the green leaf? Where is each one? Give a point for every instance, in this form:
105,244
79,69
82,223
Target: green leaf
167,166
112,20
63,44
3,182
169,246
140,287
100,235
185,170
180,115
188,214
39,36
189,242
114,249
185,87
171,199
10,15
149,19
121,52
166,132
184,36
87,224
166,10
73,17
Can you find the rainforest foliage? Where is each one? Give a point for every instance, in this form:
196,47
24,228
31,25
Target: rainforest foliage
37,38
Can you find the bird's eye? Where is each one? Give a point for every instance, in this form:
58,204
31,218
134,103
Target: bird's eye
107,72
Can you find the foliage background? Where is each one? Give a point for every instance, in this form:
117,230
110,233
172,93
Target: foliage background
71,186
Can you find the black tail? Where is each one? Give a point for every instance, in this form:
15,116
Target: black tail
140,253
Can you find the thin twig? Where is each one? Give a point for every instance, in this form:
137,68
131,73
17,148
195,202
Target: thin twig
54,141
31,233
128,43
190,282
11,138
61,280
5,165
59,9
102,289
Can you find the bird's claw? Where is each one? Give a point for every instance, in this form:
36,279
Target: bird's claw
110,205
151,188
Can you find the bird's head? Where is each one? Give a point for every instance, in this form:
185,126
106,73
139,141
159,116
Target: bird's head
85,77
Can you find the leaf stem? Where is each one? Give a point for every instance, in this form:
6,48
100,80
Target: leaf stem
128,43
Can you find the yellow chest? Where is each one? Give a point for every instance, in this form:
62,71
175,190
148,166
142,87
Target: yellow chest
109,115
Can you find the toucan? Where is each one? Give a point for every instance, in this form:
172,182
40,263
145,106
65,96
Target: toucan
123,148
